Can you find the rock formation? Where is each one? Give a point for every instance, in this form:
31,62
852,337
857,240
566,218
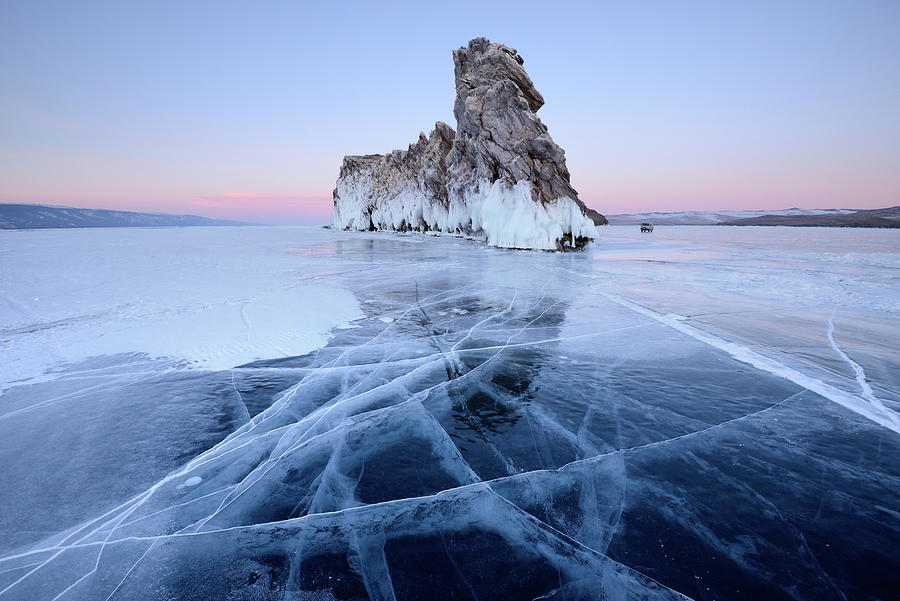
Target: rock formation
499,178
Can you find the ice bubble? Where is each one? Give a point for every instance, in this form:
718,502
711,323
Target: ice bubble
193,481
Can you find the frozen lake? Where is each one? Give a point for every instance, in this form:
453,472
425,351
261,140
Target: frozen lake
297,413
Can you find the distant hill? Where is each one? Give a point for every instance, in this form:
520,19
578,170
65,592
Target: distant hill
889,217
712,217
21,216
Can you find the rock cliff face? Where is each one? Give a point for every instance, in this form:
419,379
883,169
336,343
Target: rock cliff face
499,178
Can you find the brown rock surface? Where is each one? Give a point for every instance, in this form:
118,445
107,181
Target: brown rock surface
499,143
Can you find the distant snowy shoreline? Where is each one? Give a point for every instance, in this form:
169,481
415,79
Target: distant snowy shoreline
887,217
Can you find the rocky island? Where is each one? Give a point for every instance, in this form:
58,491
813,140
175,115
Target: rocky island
499,178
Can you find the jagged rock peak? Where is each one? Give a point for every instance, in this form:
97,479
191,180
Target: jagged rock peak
402,190
499,177
483,63
503,138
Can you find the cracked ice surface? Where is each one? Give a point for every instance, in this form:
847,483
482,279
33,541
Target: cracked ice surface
706,413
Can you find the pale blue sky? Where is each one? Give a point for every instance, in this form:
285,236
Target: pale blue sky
245,109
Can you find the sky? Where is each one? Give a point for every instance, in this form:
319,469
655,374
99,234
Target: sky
244,110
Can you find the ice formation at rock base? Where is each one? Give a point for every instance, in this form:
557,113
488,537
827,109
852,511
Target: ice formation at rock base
495,213
499,178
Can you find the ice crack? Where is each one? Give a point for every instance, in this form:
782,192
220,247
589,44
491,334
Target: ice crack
859,373
863,407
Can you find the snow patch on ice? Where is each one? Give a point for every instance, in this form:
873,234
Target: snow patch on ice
160,293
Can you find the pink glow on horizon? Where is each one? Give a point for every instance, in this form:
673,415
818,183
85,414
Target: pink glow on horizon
238,206
281,208
630,191
278,208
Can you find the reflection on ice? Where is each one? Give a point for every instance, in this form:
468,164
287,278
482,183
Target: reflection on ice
499,425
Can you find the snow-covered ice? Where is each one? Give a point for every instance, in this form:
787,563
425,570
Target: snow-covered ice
209,298
297,413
